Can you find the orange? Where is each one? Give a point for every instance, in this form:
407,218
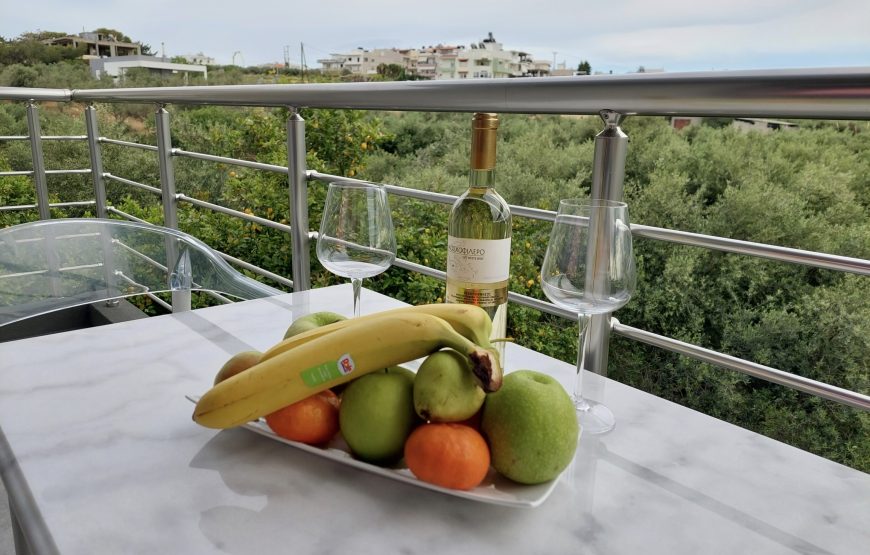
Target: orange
312,420
447,454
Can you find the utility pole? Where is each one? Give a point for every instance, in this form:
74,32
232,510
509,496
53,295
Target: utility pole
287,57
302,59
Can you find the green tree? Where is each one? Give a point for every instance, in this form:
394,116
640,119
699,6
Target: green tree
118,35
391,72
584,68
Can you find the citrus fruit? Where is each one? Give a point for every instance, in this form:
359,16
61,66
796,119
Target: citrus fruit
447,454
311,420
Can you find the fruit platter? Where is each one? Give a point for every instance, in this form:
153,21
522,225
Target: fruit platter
494,489
336,388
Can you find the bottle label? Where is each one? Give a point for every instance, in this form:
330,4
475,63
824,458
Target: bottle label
478,260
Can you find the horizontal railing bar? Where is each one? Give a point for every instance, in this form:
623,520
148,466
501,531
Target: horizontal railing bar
68,172
132,183
148,294
420,269
806,385
138,254
524,300
159,301
257,270
543,306
27,94
125,215
217,296
47,172
52,205
442,198
736,246
127,143
822,93
218,208
773,252
233,161
44,137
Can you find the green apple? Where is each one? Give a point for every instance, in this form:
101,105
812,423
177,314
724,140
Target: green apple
237,363
377,415
312,321
445,389
531,426
402,371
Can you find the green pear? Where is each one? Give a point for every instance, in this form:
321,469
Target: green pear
531,426
377,415
445,389
312,321
236,364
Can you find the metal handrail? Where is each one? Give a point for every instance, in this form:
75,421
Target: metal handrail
813,93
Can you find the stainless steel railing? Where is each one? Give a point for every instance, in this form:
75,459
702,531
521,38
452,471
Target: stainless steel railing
822,94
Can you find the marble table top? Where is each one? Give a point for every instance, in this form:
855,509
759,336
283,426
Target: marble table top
100,455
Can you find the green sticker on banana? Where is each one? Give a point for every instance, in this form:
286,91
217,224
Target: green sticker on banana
314,376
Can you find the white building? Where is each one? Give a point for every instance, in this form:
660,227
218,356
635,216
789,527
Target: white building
117,66
763,125
199,59
482,60
363,62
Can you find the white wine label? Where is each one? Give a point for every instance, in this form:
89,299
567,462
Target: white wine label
478,260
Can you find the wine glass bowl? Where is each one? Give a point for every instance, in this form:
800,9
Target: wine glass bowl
356,238
589,269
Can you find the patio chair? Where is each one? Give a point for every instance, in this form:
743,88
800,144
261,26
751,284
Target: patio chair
52,265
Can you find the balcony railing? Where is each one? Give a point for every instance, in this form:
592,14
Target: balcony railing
809,94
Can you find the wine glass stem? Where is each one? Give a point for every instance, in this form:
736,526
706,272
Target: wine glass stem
579,401
357,286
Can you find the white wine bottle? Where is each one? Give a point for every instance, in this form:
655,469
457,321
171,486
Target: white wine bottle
479,234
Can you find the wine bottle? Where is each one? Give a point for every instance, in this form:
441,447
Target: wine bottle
479,234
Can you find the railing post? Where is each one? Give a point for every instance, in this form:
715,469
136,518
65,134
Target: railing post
167,171
608,173
298,200
180,297
96,161
35,131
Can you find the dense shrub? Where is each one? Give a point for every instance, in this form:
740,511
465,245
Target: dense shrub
807,189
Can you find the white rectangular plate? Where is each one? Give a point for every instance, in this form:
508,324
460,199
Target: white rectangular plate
494,489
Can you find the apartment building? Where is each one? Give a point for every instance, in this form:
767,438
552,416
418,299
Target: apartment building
482,60
363,62
98,45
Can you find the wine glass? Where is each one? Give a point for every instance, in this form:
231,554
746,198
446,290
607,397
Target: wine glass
589,269
356,237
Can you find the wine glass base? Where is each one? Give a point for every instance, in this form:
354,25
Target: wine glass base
594,418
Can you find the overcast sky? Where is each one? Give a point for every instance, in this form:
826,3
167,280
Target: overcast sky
613,35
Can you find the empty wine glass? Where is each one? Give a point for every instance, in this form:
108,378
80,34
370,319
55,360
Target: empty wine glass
589,269
356,238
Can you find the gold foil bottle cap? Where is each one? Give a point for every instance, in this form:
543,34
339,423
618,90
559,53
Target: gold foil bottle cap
483,140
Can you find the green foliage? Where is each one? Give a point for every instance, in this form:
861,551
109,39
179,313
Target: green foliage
806,189
118,35
31,51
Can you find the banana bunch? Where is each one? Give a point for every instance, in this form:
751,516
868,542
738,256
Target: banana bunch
325,357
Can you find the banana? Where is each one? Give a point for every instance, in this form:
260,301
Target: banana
335,358
470,321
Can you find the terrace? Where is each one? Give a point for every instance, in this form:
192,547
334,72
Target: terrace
812,94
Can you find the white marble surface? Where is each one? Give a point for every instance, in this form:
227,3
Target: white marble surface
102,436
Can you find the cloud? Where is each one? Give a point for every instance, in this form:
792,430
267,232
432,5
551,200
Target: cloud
618,34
